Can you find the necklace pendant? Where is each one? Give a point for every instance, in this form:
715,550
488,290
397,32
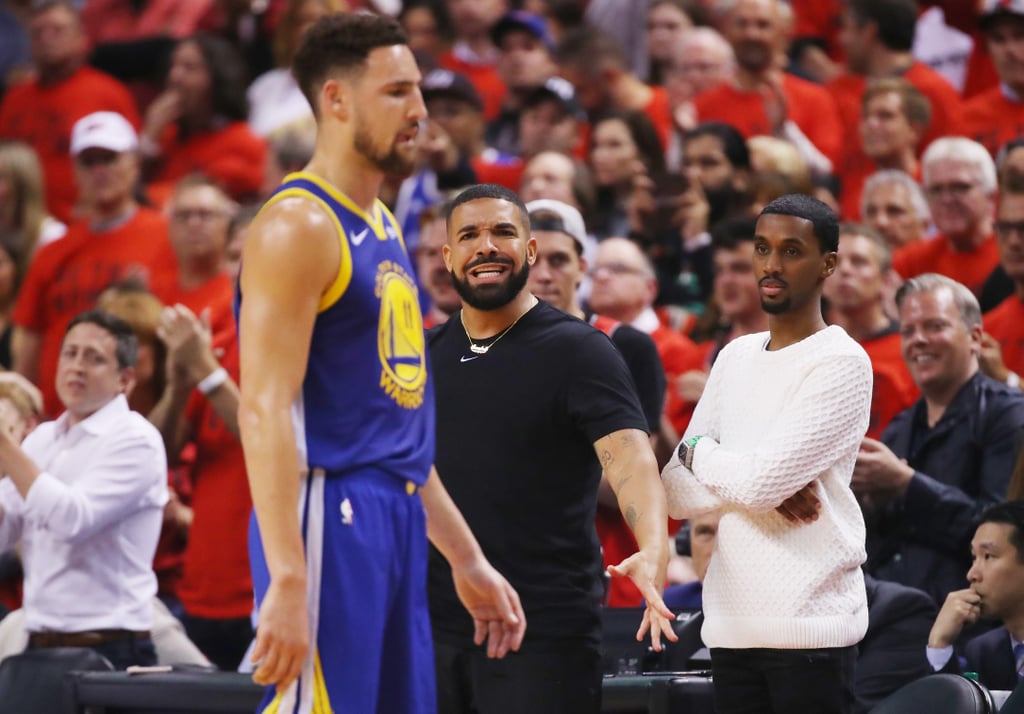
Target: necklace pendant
478,349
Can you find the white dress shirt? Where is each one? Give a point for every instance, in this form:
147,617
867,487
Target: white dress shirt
90,523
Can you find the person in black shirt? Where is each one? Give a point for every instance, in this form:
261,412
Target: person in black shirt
532,404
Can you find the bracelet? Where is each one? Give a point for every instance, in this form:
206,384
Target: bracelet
213,380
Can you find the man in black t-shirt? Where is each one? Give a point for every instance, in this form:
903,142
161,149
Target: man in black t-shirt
531,405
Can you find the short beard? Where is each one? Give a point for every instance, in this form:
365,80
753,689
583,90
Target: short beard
492,297
391,163
775,308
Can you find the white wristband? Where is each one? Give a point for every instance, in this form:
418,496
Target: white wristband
213,380
1013,379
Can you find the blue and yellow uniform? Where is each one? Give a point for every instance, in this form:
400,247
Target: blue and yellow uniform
364,427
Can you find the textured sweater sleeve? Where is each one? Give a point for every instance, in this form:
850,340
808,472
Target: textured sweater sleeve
823,421
686,496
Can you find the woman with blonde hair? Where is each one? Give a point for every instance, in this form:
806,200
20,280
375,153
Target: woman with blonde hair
22,208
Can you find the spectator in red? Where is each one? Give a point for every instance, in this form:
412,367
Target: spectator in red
996,115
199,122
858,294
668,22
763,99
877,36
960,183
42,111
1002,353
474,53
893,117
119,238
596,65
894,205
198,406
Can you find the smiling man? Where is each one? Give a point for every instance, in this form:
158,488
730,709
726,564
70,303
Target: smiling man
941,462
779,422
532,405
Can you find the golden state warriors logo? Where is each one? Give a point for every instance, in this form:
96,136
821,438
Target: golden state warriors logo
401,343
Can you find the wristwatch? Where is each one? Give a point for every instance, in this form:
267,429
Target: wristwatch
687,448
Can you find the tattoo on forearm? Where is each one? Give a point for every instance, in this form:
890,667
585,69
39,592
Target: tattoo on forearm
606,459
618,484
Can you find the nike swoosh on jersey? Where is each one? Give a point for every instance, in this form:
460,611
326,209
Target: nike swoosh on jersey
359,237
464,358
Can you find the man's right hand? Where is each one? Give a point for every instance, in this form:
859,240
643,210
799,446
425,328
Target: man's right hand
282,635
962,607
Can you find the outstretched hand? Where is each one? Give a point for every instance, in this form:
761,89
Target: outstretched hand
494,605
658,619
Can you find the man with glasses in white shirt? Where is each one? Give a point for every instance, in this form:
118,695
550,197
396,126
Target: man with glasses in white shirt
84,495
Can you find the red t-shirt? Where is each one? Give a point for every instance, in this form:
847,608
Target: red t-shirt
67,276
819,19
216,582
809,105
992,120
217,295
937,256
1005,322
233,156
483,77
42,117
894,388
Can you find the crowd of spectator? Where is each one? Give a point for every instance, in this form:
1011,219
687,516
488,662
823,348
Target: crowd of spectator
138,139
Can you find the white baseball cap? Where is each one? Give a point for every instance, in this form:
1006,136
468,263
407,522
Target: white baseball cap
572,221
103,130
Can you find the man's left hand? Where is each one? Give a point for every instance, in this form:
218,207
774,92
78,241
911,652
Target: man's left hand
494,605
644,572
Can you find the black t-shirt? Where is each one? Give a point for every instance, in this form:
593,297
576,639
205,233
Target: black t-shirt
515,435
641,356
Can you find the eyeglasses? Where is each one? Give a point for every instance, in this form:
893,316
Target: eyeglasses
956,189
615,269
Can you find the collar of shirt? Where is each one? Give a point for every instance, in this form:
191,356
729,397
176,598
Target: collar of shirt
647,321
97,422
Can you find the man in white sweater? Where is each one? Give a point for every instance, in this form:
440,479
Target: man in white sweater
779,423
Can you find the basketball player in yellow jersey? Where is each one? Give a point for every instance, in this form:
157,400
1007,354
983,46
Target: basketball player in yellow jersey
336,410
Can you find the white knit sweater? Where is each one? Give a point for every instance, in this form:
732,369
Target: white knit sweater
772,423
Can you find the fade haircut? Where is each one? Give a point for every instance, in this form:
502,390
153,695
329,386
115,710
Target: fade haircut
927,283
127,347
1010,513
490,190
882,248
340,44
822,218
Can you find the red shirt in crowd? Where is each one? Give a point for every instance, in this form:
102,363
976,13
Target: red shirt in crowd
810,106
937,256
233,156
894,388
42,117
67,276
1005,323
992,120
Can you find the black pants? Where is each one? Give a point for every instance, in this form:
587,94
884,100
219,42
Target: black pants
224,642
562,679
756,681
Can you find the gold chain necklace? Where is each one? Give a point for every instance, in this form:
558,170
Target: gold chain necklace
482,349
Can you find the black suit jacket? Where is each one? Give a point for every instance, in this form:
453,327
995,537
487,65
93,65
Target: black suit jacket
991,656
892,652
